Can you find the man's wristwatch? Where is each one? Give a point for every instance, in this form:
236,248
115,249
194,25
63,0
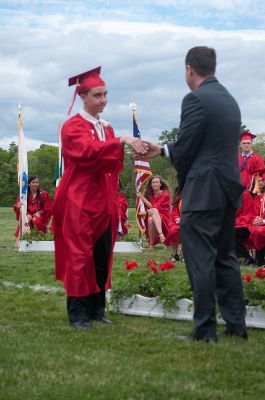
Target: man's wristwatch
162,151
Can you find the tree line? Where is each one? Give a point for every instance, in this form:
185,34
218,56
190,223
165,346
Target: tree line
42,162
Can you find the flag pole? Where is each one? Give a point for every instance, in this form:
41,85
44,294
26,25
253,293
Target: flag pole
133,107
19,108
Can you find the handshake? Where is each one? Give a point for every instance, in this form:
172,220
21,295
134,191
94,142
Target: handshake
141,149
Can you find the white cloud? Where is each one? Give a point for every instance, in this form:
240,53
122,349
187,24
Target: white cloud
141,61
31,144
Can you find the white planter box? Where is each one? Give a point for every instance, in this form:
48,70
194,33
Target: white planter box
149,307
45,245
40,245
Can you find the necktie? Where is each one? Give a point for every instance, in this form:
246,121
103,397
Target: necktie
243,165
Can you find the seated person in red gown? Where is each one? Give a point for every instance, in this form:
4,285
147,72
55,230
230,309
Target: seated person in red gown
123,212
156,199
39,207
249,162
172,238
250,223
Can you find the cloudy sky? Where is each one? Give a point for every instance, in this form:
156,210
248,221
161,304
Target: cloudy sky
141,45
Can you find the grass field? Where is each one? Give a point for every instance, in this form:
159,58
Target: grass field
137,358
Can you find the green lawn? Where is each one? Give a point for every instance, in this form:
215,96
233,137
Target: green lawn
42,357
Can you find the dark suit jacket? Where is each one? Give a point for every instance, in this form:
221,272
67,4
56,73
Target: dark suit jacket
205,153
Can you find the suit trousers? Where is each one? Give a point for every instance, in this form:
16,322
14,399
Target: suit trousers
208,242
88,307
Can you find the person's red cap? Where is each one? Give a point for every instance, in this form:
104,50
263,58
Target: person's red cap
260,173
247,136
85,81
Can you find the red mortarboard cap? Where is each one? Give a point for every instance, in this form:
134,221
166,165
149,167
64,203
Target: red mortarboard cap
247,136
260,173
253,187
85,81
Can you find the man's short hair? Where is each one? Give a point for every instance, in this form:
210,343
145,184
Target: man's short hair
202,59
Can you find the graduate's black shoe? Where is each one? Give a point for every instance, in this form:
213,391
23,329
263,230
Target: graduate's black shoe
102,318
79,325
227,333
192,339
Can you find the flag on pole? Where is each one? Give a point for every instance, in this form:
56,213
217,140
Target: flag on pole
59,168
142,173
22,176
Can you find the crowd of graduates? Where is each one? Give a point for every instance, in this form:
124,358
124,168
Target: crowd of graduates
163,212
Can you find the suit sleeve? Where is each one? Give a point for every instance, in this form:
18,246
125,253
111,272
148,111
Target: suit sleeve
184,150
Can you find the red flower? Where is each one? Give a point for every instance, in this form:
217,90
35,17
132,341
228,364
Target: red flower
154,269
151,263
131,264
51,228
167,265
247,278
128,225
260,273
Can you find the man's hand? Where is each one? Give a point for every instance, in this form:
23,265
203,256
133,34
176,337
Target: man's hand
139,147
153,151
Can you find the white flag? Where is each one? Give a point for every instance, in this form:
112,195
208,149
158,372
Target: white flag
22,176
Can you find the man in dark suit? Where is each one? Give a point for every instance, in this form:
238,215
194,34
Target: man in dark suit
205,156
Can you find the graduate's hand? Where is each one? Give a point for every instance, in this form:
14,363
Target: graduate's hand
153,151
139,147
258,221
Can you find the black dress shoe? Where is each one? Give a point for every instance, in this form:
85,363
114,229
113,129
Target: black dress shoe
192,339
248,261
228,333
102,318
81,324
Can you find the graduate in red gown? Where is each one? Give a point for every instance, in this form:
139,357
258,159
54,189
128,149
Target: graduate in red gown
39,207
156,199
85,208
249,162
250,222
123,212
172,238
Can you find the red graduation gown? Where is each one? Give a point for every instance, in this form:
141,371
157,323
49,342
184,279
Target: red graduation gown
45,210
252,207
162,203
123,209
85,202
256,239
253,164
173,230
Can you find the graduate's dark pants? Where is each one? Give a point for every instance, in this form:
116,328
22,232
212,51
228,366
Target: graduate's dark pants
208,246
88,307
241,251
241,235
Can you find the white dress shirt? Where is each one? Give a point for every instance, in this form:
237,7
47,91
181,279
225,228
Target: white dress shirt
98,124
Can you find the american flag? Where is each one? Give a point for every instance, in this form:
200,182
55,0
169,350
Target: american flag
142,173
22,168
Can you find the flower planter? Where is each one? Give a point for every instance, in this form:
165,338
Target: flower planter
36,245
149,307
46,245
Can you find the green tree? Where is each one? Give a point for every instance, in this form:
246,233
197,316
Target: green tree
167,137
42,162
